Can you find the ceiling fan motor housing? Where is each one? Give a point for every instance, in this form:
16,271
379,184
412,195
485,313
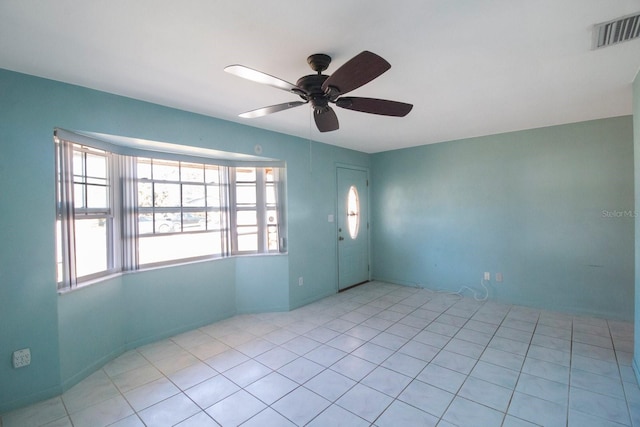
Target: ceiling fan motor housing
312,87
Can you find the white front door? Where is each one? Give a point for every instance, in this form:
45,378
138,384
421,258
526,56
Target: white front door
353,227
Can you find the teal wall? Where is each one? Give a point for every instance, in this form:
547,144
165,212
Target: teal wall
136,308
636,152
527,204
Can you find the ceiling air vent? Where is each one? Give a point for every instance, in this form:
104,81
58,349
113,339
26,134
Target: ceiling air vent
617,31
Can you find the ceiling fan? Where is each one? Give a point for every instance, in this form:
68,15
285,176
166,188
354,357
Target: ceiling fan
322,90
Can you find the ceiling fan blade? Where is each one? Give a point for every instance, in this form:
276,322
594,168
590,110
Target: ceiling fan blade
326,120
271,109
382,107
260,77
357,71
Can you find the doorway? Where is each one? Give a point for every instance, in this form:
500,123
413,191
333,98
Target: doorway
353,227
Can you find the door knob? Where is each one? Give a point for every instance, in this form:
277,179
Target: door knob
340,238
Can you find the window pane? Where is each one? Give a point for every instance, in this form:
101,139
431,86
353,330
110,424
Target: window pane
97,196
78,166
145,195
78,196
272,217
145,224
213,196
59,250
353,212
247,239
96,166
269,175
214,220
272,237
193,195
246,194
192,172
246,218
162,248
212,174
158,223
164,223
191,221
144,168
271,194
245,174
166,195
91,246
166,170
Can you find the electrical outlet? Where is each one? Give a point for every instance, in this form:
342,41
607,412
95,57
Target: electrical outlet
21,358
499,277
487,275
300,281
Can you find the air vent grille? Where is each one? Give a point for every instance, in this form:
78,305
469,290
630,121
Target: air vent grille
617,31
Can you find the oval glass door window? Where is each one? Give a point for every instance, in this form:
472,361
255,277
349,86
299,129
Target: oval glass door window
353,212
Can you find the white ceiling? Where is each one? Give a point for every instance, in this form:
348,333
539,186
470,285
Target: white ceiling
469,67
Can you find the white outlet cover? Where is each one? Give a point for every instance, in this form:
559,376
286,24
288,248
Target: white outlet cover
21,358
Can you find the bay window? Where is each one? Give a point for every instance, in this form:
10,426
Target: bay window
122,209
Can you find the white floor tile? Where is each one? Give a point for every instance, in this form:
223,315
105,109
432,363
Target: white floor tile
353,367
90,391
330,384
441,377
495,374
151,393
542,388
386,381
192,375
35,415
465,413
598,405
365,402
276,357
537,411
211,391
130,421
301,405
325,355
247,372
376,355
336,416
271,388
486,393
301,370
426,397
102,414
268,418
235,409
399,414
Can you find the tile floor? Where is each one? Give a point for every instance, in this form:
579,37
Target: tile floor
376,355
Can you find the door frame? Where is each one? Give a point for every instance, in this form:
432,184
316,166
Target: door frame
335,228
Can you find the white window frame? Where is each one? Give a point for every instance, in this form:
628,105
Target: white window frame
116,219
